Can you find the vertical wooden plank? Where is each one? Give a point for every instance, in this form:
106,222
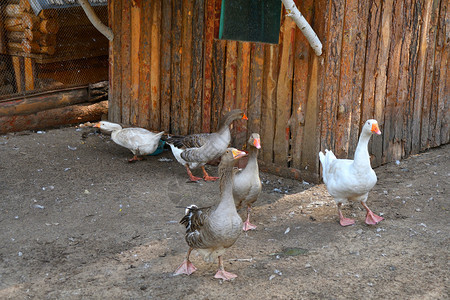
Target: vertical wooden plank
242,91
145,66
207,79
134,52
444,95
300,89
166,62
230,76
218,79
414,32
434,73
284,93
391,152
381,78
332,54
350,84
29,76
268,105
314,108
155,63
371,62
126,61
115,56
195,111
256,81
17,73
175,122
186,60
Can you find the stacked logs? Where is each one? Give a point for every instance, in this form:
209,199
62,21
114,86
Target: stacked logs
28,33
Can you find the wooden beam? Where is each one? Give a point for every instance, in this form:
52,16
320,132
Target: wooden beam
218,75
115,56
186,61
177,51
166,90
256,87
73,114
18,73
155,65
135,27
242,91
145,45
29,73
207,67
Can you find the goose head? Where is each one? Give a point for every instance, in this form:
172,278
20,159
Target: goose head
254,141
232,115
108,126
231,155
371,127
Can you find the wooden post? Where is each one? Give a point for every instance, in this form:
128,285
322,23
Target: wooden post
29,74
17,73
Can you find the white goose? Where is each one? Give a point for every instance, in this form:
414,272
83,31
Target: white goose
140,141
352,179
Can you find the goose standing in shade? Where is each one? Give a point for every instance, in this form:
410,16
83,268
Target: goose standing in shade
195,150
247,184
140,141
213,229
352,179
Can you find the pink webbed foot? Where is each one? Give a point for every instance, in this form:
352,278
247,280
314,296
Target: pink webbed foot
248,226
222,274
185,268
346,221
210,178
135,158
373,219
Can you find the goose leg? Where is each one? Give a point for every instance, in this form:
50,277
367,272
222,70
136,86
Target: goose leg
186,267
191,176
371,218
135,158
247,224
206,177
222,274
344,221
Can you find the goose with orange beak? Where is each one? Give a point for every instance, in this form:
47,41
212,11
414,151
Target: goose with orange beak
352,179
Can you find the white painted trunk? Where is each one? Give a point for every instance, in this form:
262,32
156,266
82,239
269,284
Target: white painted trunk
105,30
296,15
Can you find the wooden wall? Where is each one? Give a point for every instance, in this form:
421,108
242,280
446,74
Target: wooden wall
382,59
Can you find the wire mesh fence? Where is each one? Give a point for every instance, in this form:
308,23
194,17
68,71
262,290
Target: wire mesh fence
50,44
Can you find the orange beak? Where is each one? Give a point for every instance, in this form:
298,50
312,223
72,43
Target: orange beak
257,143
244,117
97,125
375,129
238,153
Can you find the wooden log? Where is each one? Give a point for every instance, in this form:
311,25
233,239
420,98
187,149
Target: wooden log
49,26
166,92
145,66
175,122
195,113
126,61
25,5
48,14
155,64
268,105
256,86
443,117
368,101
115,99
300,87
284,93
13,24
31,21
242,91
135,27
186,45
18,73
218,76
332,72
13,11
73,114
43,101
2,36
230,82
207,67
25,46
381,78
27,34
29,74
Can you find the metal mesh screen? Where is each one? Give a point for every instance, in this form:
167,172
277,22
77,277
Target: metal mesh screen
56,48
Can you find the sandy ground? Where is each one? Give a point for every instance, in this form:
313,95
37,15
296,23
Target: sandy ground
79,222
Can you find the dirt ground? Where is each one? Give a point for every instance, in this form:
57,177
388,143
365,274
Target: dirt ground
79,222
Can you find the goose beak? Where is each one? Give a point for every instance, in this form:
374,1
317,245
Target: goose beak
97,125
257,143
244,117
238,153
375,129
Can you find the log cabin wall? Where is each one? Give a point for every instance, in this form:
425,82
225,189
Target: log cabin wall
381,59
